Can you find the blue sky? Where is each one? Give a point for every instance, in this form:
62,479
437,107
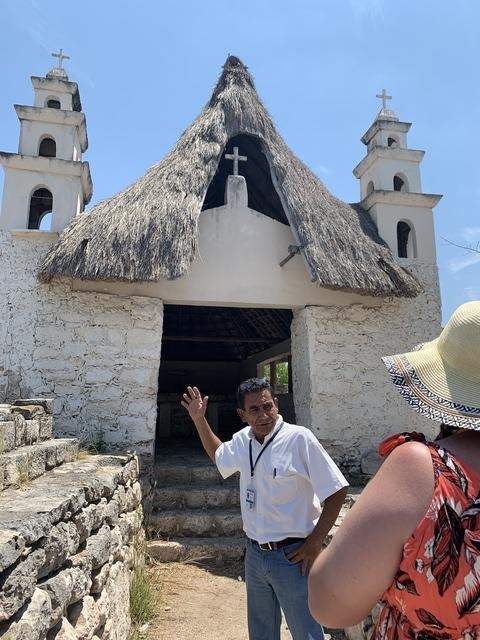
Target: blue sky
146,69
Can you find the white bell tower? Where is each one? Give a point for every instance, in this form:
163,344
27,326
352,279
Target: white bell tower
391,191
47,174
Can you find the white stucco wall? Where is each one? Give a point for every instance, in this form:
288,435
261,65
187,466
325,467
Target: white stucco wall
342,389
66,189
237,264
97,355
65,136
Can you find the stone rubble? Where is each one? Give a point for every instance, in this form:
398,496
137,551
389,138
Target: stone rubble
69,524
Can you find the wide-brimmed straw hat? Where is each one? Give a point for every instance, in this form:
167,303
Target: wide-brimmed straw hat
441,380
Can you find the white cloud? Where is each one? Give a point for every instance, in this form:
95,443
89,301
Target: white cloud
372,9
321,168
462,262
471,234
472,293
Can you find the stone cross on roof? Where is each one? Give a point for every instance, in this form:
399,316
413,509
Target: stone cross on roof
61,57
383,97
235,157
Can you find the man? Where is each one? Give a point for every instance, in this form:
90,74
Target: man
285,474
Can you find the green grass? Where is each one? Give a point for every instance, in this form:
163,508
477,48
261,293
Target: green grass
142,601
142,596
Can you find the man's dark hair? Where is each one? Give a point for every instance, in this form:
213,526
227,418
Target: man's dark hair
252,385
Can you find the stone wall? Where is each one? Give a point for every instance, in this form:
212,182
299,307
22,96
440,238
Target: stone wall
67,538
97,354
342,389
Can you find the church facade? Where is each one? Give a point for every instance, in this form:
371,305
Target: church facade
228,259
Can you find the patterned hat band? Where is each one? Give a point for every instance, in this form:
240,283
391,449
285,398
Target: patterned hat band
441,380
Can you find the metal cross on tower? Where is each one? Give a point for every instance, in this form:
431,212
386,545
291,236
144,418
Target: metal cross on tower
61,57
235,157
383,97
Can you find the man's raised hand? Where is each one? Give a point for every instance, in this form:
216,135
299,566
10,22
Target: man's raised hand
194,403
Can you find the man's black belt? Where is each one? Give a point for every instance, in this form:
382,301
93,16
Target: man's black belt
273,546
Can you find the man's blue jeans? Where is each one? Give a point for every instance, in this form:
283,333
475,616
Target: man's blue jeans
274,583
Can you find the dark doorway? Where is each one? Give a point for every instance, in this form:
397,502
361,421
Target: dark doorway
215,348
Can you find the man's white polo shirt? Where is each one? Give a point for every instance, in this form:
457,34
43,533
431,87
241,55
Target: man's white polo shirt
292,477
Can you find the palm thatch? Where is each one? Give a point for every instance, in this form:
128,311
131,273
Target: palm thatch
149,231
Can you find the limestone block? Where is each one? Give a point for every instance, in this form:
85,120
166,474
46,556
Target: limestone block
17,468
90,518
81,583
46,403
112,511
61,542
98,376
11,547
24,465
32,431
130,470
116,338
20,584
128,525
99,578
19,429
121,497
114,601
46,427
86,618
59,590
134,496
98,547
7,435
29,412
33,622
100,487
139,342
66,631
140,377
5,413
64,451
92,335
106,392
116,543
27,520
80,567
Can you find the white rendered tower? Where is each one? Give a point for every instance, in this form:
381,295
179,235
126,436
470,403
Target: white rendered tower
47,175
391,191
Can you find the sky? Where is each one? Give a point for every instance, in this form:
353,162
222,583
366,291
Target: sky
145,70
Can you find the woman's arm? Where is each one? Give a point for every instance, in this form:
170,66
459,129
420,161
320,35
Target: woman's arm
350,576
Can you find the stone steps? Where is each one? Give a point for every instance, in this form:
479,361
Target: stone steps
195,471
198,496
209,523
196,514
196,549
20,466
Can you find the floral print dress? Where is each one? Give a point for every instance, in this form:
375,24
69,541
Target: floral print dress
436,592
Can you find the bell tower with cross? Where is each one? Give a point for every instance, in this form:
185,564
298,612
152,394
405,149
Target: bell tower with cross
236,193
391,190
46,182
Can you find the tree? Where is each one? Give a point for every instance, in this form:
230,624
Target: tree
467,247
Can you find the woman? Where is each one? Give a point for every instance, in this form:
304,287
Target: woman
412,539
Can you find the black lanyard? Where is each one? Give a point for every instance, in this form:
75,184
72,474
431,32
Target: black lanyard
252,466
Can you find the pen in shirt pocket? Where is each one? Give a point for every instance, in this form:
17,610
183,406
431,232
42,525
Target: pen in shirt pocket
274,472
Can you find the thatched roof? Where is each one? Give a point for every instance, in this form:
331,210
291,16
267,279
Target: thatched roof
149,231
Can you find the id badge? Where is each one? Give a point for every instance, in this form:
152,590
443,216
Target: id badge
250,499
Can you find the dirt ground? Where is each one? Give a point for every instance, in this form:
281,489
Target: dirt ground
200,601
